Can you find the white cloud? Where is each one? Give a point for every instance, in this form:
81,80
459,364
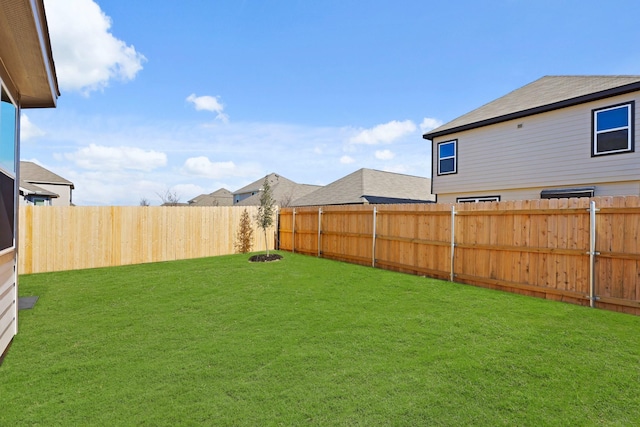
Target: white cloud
98,157
172,153
429,124
384,133
346,160
86,54
28,130
384,155
208,103
201,166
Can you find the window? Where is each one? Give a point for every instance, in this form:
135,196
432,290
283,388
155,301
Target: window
613,129
478,199
8,123
447,157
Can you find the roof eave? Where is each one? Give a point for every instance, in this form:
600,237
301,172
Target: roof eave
620,90
29,73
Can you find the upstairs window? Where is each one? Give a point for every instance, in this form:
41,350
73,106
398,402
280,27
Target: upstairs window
613,129
447,157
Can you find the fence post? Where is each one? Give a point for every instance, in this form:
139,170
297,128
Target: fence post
373,248
319,231
293,232
453,238
276,234
592,253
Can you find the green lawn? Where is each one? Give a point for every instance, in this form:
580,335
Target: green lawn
307,341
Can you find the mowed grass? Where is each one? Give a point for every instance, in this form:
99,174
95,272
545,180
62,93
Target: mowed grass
307,341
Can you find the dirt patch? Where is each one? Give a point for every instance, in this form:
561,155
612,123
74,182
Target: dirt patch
265,258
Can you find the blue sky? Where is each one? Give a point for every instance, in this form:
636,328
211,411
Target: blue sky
193,96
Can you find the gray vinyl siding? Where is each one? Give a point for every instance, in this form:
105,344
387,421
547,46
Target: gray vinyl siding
550,149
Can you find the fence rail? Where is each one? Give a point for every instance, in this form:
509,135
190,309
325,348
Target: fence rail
56,238
540,248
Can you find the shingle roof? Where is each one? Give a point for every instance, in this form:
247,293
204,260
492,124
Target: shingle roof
28,188
545,94
284,191
273,178
221,197
365,185
36,174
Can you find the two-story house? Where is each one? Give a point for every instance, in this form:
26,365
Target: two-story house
27,80
40,186
560,136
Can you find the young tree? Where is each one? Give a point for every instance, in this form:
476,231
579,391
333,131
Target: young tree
169,198
244,238
264,217
144,202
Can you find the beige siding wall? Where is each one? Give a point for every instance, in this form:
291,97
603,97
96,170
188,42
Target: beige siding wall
64,191
549,150
8,299
631,188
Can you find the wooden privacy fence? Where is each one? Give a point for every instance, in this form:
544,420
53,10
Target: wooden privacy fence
53,238
563,249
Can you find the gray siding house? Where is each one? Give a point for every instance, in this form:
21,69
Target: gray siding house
27,80
560,136
40,186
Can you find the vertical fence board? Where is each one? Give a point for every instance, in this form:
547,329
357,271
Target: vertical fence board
75,237
532,247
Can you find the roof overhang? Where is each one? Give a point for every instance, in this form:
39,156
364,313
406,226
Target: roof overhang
633,87
26,61
28,189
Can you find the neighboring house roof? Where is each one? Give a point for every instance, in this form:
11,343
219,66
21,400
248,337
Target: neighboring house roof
371,186
221,197
28,189
36,174
26,55
284,191
545,94
273,178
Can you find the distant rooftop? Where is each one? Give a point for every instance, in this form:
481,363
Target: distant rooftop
370,186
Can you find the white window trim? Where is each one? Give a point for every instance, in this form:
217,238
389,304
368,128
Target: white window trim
629,127
454,157
478,199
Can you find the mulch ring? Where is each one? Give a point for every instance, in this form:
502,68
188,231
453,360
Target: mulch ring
265,258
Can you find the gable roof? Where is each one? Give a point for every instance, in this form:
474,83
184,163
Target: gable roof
36,174
545,94
370,186
220,197
284,191
274,179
